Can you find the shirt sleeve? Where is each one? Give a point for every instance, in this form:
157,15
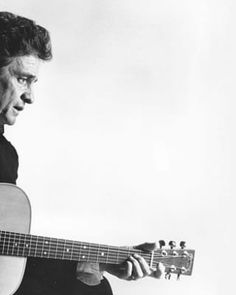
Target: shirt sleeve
89,273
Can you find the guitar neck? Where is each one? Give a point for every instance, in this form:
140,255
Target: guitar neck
25,245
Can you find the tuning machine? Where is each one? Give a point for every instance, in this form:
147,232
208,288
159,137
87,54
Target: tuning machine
181,271
170,270
182,244
168,275
172,244
162,243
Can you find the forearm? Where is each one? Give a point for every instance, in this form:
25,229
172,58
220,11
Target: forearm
89,273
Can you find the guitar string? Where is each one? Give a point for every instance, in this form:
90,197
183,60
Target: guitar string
168,263
76,247
67,243
109,260
81,245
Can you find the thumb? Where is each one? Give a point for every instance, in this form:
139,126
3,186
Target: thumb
146,247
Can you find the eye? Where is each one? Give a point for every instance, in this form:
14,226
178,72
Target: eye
23,81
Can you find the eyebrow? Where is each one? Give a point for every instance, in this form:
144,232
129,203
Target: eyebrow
25,74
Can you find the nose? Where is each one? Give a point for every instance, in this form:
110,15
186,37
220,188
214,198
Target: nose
27,97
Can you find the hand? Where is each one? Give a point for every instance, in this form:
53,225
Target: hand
136,267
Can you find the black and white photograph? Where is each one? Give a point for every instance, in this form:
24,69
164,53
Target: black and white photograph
117,139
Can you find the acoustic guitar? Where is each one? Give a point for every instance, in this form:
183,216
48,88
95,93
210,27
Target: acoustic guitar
16,244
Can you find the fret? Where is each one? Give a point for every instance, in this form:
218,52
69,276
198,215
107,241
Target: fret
20,248
84,252
112,255
7,243
49,247
1,242
94,252
56,249
63,249
76,251
14,245
31,246
34,245
72,251
68,246
60,247
44,244
27,248
56,245
88,252
117,256
79,249
107,255
2,245
148,258
67,250
120,254
103,257
98,251
157,257
23,250
52,248
17,244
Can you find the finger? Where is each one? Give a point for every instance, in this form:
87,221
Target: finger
143,264
159,271
146,247
128,270
137,270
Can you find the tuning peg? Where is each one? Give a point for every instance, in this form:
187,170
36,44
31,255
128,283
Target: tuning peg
168,275
172,244
182,244
181,271
162,243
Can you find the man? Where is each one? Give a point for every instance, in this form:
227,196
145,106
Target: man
23,46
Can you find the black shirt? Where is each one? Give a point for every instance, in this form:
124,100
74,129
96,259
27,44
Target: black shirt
8,161
45,276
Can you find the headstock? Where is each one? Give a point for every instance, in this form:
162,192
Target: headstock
176,260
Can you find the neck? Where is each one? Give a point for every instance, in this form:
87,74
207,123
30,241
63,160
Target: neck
25,245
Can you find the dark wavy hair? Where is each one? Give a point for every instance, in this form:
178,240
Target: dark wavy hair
20,36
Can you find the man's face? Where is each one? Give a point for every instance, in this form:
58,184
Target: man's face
16,83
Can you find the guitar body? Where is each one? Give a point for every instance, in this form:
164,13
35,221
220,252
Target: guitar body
16,244
15,215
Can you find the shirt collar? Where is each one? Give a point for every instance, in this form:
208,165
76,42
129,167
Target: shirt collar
1,129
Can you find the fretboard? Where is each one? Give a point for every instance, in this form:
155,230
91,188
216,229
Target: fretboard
25,245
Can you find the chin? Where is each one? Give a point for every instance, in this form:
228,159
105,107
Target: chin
10,121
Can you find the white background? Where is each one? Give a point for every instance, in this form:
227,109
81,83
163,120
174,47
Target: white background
132,134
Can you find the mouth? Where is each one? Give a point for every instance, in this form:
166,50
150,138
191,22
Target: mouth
17,110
